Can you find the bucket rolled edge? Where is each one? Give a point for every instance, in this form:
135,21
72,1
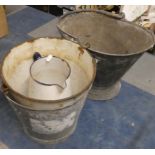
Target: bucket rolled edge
73,97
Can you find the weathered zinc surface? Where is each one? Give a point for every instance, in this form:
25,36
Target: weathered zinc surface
114,42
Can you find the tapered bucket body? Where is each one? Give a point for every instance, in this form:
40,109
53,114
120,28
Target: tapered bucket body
54,118
115,43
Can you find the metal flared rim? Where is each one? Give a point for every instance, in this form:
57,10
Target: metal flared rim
46,101
111,15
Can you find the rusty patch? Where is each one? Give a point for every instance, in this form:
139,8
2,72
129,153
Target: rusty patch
4,88
28,41
81,51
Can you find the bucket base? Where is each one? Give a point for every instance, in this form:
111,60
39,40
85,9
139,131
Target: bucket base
52,141
98,93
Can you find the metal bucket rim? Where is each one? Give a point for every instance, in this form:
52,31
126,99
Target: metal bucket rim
47,101
111,16
11,99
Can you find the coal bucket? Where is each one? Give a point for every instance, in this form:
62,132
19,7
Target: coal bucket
47,119
115,43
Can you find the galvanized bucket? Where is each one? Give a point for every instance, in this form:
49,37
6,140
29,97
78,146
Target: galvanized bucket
115,43
47,121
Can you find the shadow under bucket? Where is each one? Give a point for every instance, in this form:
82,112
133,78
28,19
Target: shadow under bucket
115,43
46,118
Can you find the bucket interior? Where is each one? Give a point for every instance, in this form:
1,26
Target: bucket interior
16,66
106,34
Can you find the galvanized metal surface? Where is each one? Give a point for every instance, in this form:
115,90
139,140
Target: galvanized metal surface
47,126
101,93
49,121
114,42
102,124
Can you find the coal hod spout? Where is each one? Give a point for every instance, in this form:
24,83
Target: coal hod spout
115,43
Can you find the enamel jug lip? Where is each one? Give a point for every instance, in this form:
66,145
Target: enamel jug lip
50,84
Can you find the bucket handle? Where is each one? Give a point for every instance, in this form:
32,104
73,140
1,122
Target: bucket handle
10,99
120,15
77,40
